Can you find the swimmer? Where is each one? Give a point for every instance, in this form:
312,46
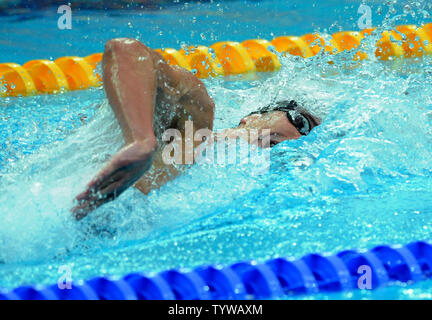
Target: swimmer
149,96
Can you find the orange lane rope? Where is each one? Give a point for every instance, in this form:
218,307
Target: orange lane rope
222,58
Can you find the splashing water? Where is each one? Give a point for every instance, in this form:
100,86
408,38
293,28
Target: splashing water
360,179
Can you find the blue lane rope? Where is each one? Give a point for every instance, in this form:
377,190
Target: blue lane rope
276,277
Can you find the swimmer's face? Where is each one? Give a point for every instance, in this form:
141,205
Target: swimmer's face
280,126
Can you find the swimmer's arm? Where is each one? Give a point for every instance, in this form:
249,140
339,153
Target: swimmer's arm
130,83
132,74
197,106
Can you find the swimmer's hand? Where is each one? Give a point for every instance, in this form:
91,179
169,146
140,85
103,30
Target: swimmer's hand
124,169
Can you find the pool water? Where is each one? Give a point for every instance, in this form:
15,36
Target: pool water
361,179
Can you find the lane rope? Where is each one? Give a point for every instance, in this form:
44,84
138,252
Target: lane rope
220,59
311,274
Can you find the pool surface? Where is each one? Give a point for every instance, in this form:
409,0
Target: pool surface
361,179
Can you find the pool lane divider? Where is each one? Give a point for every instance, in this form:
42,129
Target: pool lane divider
220,59
314,273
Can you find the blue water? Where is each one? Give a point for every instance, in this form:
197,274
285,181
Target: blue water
361,179
35,35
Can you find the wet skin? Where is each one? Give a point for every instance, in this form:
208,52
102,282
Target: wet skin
144,91
281,129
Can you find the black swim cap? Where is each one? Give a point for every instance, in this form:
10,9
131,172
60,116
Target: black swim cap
300,118
283,106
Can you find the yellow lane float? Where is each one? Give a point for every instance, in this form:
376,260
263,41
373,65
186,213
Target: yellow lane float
47,76
222,58
202,62
15,81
